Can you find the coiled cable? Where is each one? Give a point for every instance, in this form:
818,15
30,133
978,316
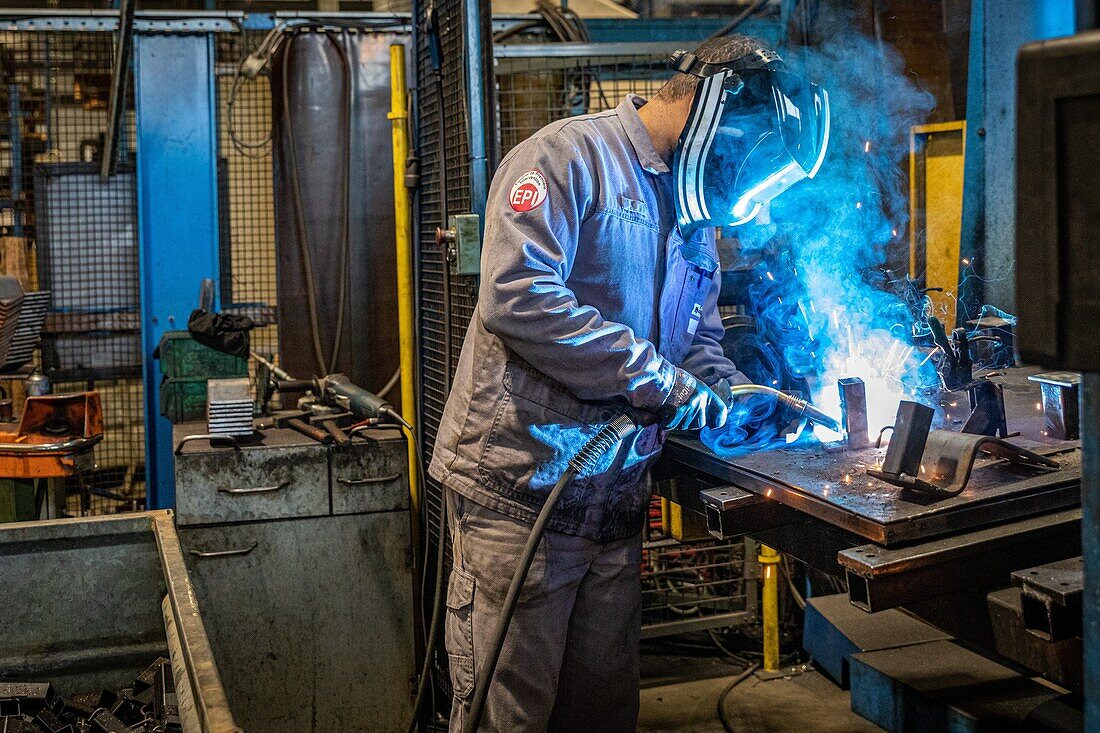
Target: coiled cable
585,459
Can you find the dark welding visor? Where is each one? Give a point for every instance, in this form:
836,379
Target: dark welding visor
754,130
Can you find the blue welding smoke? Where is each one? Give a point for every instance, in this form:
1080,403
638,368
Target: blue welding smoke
822,285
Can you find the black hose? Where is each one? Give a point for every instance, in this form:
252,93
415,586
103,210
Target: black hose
437,616
725,693
607,437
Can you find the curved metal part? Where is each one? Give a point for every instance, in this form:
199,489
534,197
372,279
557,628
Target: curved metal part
208,437
368,480
74,445
226,553
948,461
256,489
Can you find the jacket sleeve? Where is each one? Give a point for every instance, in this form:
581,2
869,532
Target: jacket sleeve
706,359
525,300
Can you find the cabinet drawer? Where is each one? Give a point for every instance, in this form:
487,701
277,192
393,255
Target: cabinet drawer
310,620
370,477
251,484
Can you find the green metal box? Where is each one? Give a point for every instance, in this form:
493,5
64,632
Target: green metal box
181,357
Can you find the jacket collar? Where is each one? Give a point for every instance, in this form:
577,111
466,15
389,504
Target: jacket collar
639,135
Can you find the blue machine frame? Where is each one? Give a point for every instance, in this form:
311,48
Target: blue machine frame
177,144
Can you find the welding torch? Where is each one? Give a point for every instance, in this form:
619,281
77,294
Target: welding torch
797,405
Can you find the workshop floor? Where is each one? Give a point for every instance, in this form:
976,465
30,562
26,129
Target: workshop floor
685,701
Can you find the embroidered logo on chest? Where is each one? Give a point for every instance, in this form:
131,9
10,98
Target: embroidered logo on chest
528,192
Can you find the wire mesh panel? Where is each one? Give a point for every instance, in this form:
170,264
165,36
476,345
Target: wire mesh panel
80,232
445,302
246,214
534,91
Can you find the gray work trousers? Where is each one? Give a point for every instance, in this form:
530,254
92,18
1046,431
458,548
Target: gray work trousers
570,660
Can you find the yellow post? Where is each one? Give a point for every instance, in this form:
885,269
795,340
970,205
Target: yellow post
769,563
398,117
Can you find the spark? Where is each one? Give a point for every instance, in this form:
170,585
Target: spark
847,478
859,204
966,260
1039,406
867,146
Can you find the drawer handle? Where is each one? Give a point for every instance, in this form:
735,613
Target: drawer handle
256,489
369,480
226,553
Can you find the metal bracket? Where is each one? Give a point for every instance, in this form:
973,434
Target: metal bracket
853,411
987,410
1060,403
948,459
721,505
1050,598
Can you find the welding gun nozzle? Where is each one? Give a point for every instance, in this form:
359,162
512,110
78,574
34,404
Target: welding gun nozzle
821,418
797,405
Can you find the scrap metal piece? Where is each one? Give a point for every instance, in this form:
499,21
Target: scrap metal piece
1051,598
948,459
853,411
1060,403
987,410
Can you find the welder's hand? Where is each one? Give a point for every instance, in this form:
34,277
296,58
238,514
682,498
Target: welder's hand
692,405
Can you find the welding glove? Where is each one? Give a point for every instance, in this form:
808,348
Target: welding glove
724,387
692,405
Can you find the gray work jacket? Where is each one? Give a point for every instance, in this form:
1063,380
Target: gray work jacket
589,298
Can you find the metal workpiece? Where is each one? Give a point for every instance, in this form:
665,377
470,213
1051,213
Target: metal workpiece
880,578
1061,394
1051,598
949,458
907,440
732,512
103,630
1057,661
853,410
831,485
987,409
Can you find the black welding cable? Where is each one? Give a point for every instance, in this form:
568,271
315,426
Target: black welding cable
726,692
299,219
604,440
424,683
345,253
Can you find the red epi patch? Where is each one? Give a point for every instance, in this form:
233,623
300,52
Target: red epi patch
528,192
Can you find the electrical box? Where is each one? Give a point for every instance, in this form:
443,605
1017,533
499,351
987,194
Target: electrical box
467,244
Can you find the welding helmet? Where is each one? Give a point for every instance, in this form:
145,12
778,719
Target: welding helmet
755,129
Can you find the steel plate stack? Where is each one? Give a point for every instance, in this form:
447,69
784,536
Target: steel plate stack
11,303
28,332
229,407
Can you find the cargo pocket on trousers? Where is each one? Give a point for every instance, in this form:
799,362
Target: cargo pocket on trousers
460,631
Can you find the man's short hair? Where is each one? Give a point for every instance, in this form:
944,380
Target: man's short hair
722,48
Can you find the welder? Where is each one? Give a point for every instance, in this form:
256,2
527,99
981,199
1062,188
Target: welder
598,298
